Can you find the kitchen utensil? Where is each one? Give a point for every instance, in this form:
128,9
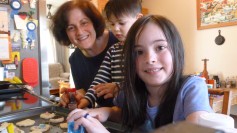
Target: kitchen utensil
30,71
219,39
12,98
6,84
2,104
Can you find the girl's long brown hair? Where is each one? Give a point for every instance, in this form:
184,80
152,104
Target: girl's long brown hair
135,93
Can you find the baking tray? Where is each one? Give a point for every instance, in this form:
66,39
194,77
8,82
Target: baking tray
34,114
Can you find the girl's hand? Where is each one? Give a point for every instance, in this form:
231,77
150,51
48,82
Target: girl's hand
90,119
102,114
108,90
91,124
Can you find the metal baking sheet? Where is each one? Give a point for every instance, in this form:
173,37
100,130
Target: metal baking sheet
34,114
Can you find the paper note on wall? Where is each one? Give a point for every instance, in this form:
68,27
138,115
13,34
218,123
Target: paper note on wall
4,47
19,22
1,73
3,20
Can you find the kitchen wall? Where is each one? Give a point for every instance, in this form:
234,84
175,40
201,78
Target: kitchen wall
199,44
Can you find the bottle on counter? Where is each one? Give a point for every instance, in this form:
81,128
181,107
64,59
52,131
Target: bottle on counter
222,84
233,82
5,72
204,72
216,78
72,100
228,82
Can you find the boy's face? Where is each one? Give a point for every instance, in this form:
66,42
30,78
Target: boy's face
121,25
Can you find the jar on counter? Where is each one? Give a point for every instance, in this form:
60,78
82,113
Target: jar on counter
62,86
222,84
72,100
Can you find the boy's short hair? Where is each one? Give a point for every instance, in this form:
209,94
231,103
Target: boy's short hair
122,7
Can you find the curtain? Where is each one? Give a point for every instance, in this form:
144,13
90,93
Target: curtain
56,52
62,55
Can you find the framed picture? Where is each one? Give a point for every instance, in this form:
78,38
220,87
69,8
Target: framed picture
4,1
216,13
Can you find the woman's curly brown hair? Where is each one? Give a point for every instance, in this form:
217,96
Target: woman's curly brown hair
60,19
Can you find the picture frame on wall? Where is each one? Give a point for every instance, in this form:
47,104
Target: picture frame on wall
4,1
216,13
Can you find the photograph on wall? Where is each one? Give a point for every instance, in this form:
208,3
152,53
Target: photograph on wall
216,13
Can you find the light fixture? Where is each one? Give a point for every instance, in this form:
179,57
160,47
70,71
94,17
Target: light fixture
49,15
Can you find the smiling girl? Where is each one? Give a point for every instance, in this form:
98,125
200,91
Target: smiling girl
155,91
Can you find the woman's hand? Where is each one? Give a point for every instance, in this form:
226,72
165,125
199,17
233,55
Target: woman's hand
64,99
108,90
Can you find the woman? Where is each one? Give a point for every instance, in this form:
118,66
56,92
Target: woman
155,91
79,23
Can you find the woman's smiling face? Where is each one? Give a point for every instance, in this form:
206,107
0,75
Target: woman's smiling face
80,29
154,64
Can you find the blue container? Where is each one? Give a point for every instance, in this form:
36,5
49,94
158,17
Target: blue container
71,128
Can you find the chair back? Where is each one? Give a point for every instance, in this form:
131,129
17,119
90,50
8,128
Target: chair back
221,95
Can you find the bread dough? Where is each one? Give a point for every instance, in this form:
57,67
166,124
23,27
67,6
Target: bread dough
47,115
25,123
58,120
63,125
4,125
40,128
3,128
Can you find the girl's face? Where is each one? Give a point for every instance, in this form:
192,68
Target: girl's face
80,29
120,26
154,63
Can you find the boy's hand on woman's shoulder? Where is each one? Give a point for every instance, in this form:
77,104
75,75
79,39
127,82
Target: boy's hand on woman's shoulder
108,90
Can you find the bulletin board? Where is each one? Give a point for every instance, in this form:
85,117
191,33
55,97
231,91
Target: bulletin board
20,30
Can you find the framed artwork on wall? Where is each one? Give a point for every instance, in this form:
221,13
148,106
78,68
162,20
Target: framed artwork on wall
216,13
4,1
